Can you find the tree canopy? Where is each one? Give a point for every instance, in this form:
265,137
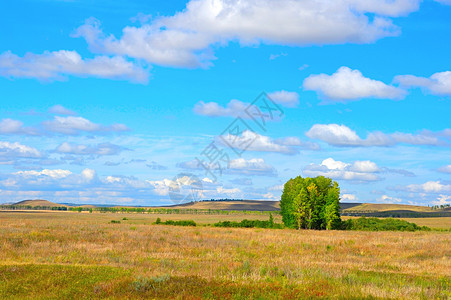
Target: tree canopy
311,203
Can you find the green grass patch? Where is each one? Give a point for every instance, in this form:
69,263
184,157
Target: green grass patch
55,281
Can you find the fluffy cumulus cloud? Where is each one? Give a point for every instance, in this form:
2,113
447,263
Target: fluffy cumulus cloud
388,199
18,150
185,39
442,199
437,84
343,136
346,84
285,98
360,171
348,198
75,125
239,166
251,141
99,149
57,65
234,108
10,126
48,180
433,187
179,186
55,174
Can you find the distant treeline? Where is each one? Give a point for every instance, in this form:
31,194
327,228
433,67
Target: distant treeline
29,207
396,214
142,210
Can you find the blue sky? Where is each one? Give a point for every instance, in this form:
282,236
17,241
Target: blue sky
108,102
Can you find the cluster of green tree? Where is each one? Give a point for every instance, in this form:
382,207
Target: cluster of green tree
176,223
375,224
311,203
441,207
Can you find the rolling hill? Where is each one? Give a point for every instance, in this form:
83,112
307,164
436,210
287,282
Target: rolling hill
347,209
38,202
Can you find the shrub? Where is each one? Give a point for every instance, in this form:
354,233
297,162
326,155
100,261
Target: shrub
375,224
177,223
115,222
249,224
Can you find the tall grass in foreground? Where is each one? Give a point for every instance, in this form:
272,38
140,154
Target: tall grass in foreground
71,255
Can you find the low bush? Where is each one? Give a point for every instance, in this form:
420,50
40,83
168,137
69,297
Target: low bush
176,223
249,224
376,224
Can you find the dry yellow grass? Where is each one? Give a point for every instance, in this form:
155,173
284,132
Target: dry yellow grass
406,265
388,207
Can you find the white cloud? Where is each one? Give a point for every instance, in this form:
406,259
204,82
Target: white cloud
88,174
13,150
341,135
166,186
357,171
388,199
288,99
442,199
438,84
348,198
55,174
346,84
365,166
239,166
57,65
184,39
251,141
75,125
332,164
445,169
100,149
61,110
234,109
10,126
434,187
254,166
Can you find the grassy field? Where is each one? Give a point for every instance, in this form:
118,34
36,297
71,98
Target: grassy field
388,207
81,255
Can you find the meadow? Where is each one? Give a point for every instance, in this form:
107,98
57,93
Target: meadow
51,254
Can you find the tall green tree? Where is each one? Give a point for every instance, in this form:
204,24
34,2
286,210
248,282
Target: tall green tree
311,203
